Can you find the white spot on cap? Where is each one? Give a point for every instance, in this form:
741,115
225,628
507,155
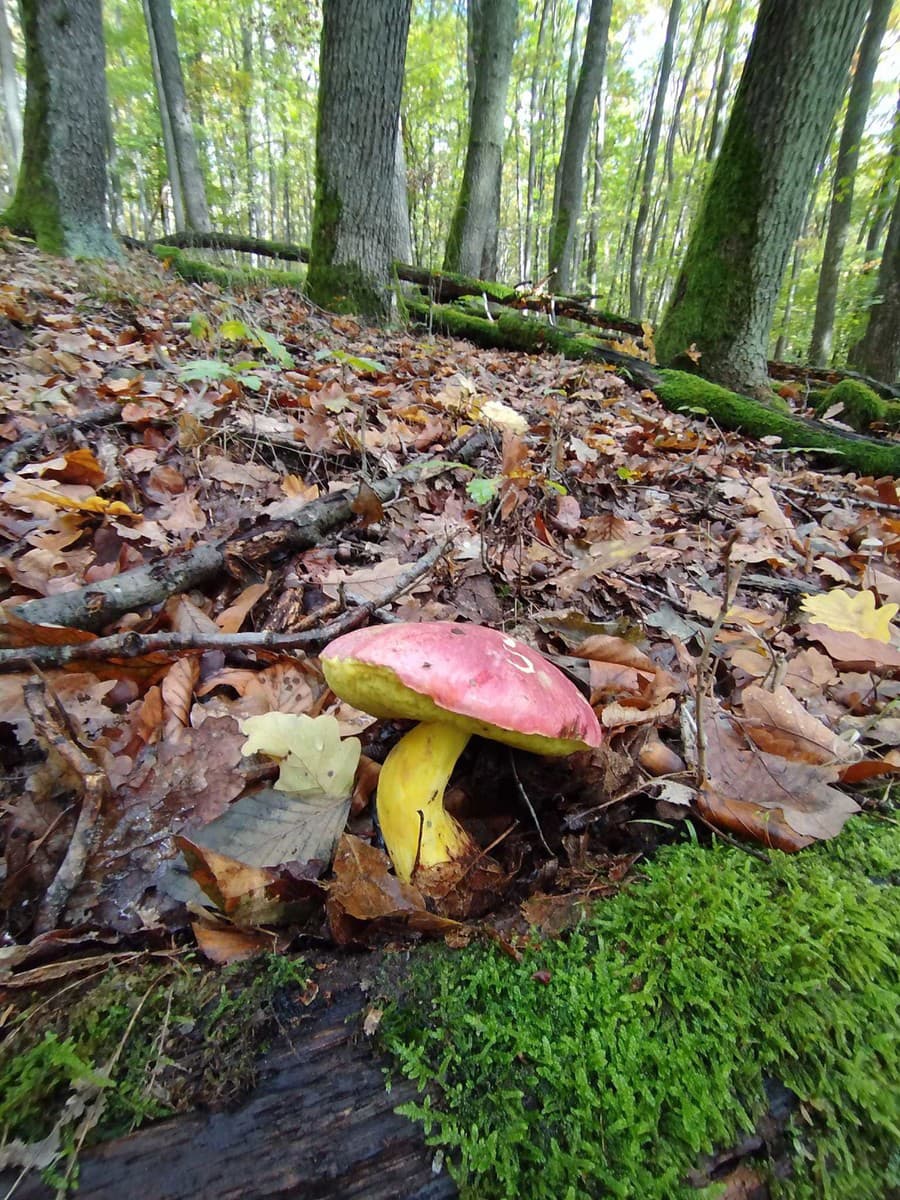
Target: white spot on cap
525,665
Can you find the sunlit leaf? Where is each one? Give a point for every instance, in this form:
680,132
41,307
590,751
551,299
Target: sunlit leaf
851,612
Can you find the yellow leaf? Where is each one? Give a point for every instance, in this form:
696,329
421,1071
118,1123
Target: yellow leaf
852,612
313,757
91,504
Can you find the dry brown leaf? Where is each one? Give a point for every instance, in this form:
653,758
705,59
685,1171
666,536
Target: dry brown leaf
754,822
223,944
367,505
778,723
178,688
187,617
851,650
248,896
283,687
232,618
802,791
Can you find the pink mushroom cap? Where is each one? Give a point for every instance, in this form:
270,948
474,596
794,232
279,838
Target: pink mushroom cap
467,675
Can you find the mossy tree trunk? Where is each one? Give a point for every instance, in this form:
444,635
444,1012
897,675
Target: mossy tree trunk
60,197
361,59
842,186
570,171
725,297
472,242
188,174
878,353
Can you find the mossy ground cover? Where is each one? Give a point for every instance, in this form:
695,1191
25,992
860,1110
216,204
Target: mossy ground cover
137,1043
608,1064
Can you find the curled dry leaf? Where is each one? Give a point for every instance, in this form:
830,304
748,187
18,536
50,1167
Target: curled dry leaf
753,822
284,687
232,618
801,791
248,896
178,688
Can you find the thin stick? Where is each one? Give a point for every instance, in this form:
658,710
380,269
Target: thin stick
528,804
136,645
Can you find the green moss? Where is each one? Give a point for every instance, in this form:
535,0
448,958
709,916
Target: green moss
681,392
148,1041
648,1042
862,407
197,270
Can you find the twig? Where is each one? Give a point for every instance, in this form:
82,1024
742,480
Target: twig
528,804
20,451
704,668
96,604
136,645
54,731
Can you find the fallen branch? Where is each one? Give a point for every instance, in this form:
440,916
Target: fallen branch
137,645
97,604
22,450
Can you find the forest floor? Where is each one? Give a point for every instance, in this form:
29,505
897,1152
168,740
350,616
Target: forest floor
726,606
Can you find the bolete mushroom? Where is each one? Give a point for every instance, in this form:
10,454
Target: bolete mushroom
457,680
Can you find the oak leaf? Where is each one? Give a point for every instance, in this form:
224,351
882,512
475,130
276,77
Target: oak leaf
852,612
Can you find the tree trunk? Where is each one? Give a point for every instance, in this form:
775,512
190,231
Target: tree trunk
723,80
842,187
168,139
196,211
529,260
569,189
640,221
60,196
878,353
881,207
472,242
353,233
12,113
403,237
727,289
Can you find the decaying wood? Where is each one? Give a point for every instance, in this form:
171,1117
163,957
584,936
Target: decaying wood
23,450
136,645
97,604
320,1125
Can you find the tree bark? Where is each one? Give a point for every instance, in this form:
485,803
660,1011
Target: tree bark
842,187
196,210
60,196
725,297
402,236
472,242
569,189
878,353
640,221
354,234
881,206
12,113
166,124
723,79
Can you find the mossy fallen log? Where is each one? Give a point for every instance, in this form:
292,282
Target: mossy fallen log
677,390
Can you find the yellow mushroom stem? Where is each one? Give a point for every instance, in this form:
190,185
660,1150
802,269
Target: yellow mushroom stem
410,801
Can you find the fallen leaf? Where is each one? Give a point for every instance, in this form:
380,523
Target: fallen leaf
778,723
852,612
313,758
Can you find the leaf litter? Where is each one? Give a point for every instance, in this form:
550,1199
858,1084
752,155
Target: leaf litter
590,524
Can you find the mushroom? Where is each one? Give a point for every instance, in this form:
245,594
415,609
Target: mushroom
457,680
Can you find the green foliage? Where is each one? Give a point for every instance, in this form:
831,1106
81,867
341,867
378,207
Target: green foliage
150,1041
860,406
648,1041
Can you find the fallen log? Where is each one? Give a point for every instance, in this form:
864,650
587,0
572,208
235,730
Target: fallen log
677,390
97,604
320,1125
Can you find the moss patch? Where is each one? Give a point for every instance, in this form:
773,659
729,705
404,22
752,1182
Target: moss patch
648,1041
141,1043
197,270
862,407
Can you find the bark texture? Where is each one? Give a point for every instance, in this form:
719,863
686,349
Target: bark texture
161,28
60,197
635,281
166,124
727,289
570,172
361,60
472,242
878,353
842,187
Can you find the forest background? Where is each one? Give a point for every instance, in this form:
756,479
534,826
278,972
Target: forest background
251,71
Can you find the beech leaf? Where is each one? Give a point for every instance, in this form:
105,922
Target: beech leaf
852,612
